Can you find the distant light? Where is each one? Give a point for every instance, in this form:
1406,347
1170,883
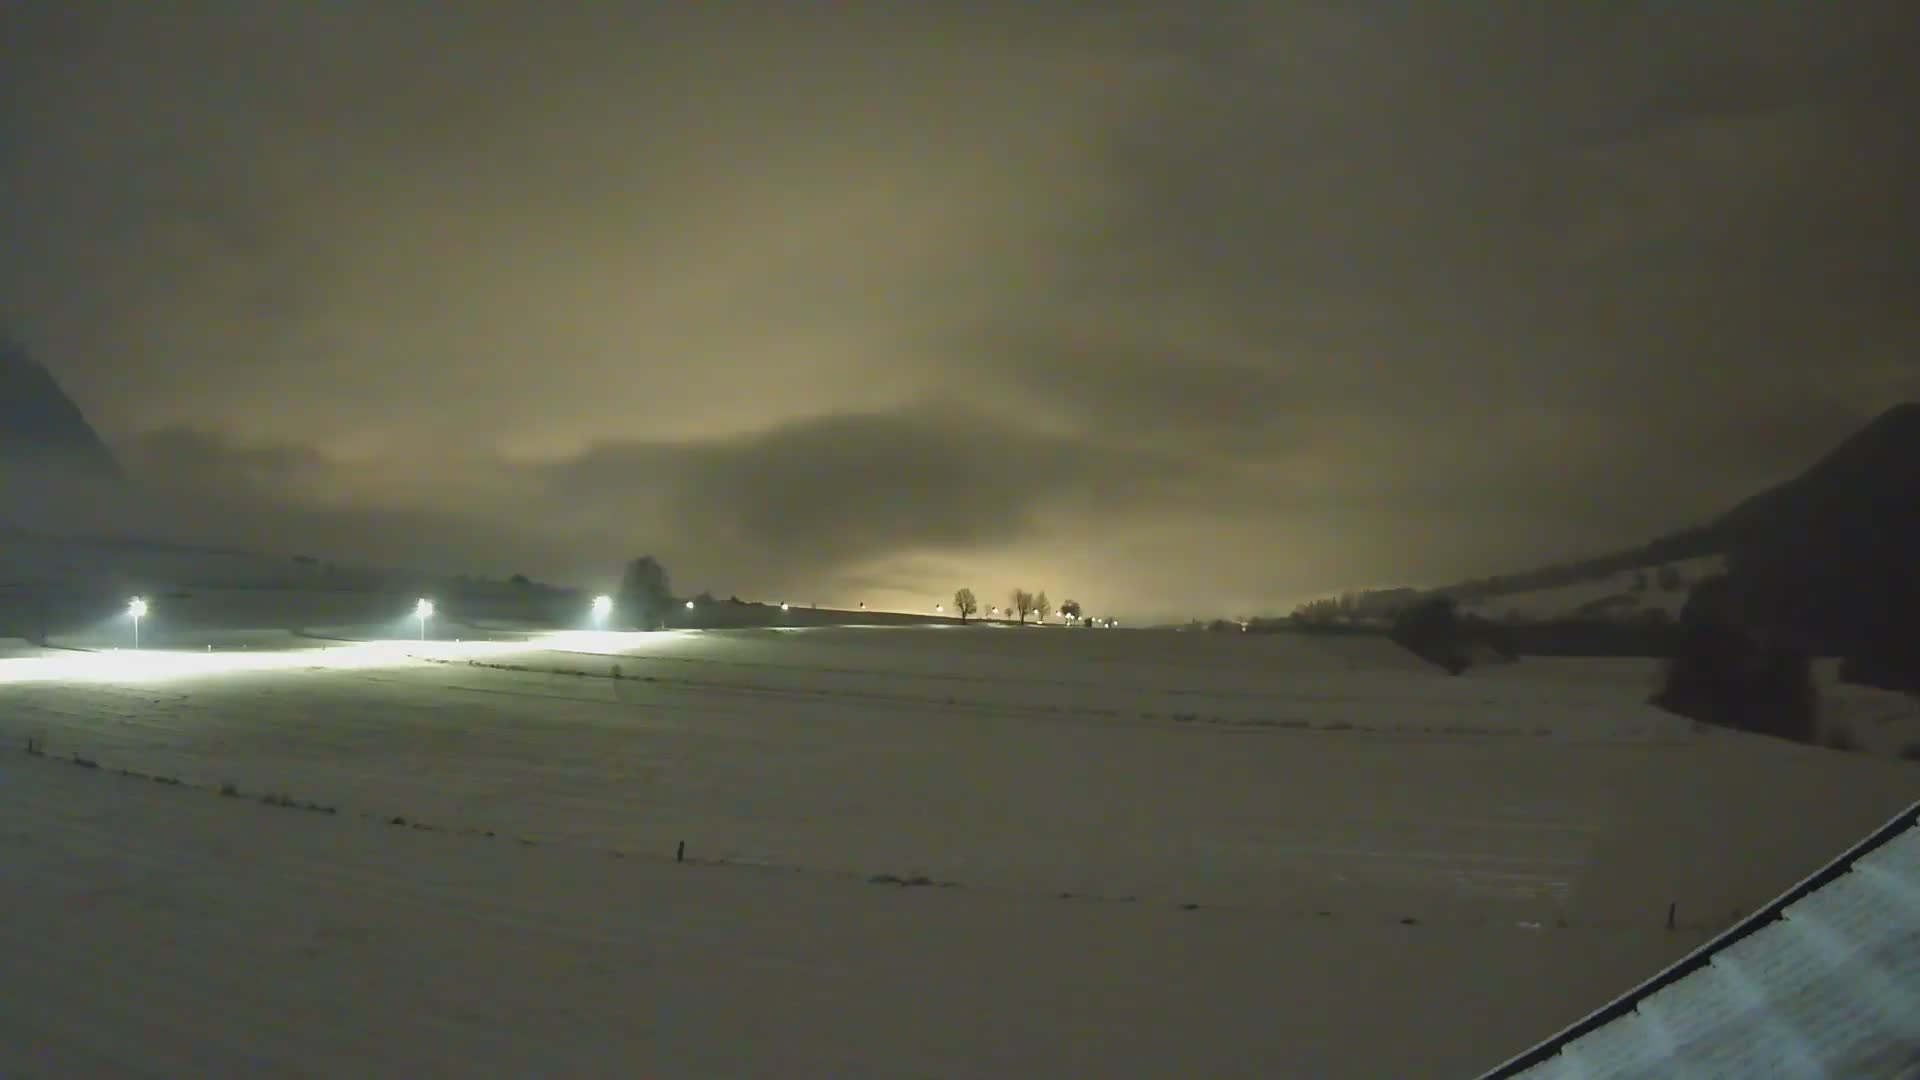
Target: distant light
689,605
423,608
939,607
783,605
137,607
602,606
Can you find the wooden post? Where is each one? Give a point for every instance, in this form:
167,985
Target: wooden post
680,853
1671,904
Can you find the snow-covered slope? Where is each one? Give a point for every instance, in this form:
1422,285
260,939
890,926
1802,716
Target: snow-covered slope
1622,596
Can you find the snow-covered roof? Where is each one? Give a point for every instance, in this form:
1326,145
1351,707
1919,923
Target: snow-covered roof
1824,981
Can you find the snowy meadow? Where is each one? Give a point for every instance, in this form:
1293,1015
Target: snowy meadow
932,850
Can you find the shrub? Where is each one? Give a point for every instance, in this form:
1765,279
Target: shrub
1730,676
1431,629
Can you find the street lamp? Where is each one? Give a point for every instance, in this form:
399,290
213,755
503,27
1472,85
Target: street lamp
137,607
423,610
602,607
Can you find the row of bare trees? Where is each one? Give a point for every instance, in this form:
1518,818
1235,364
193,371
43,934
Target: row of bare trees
1020,602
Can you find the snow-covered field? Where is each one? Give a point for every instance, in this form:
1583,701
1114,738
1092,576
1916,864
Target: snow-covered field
1145,854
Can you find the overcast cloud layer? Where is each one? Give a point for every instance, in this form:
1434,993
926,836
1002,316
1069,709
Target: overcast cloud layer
1172,308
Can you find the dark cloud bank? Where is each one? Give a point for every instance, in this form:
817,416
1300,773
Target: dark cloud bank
1172,310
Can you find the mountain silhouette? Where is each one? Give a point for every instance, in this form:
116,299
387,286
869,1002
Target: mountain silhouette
1870,481
39,424
1834,553
1831,555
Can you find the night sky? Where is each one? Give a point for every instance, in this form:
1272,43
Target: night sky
1176,309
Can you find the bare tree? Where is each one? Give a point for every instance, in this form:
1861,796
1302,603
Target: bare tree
1041,608
1022,603
965,604
1070,608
